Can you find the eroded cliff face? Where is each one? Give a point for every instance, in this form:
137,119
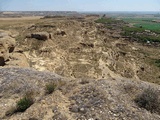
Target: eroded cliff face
10,55
82,48
95,66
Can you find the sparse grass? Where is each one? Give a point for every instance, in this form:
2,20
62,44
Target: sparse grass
50,87
146,23
19,39
139,26
133,29
133,32
104,20
149,100
24,103
157,63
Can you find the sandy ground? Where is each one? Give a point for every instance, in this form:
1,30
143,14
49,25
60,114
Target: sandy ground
23,18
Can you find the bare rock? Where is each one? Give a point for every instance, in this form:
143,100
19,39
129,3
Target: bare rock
2,61
8,56
40,36
7,45
61,32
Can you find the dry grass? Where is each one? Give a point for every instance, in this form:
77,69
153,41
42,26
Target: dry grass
149,100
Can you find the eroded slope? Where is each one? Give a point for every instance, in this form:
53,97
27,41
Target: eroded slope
102,99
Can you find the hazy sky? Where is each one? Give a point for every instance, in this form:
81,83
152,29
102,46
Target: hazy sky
80,5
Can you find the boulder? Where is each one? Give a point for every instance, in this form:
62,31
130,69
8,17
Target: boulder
4,54
7,45
2,61
40,36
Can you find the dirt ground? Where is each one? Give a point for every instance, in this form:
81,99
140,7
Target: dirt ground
86,49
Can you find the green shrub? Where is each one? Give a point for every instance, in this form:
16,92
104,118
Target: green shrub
50,87
24,103
133,29
132,32
104,20
149,100
157,62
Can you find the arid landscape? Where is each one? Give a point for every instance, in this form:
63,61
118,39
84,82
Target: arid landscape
76,66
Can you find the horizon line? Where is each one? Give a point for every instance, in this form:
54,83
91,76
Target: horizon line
69,11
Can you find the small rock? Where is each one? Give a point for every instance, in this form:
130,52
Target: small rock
82,110
74,108
90,119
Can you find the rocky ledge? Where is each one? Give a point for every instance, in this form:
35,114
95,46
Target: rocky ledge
80,99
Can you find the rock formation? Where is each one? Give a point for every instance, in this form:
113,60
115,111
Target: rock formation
40,36
102,72
7,54
7,45
102,99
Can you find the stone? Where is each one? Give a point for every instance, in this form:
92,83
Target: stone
40,36
74,109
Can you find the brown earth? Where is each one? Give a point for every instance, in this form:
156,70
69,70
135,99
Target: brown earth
97,63
74,99
82,48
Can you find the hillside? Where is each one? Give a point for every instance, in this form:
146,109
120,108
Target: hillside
101,99
76,68
79,48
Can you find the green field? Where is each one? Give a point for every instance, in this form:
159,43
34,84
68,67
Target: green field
137,28
146,23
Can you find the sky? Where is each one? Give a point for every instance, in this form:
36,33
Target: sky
79,5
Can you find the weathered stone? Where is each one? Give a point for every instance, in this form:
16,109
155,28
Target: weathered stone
61,32
2,61
40,35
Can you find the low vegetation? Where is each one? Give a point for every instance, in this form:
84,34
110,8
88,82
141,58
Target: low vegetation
157,63
50,87
110,23
140,34
149,100
146,23
22,105
143,29
105,20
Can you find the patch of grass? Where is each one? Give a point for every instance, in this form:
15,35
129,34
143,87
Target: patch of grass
133,29
104,20
149,100
146,23
50,87
157,63
24,104
19,38
139,34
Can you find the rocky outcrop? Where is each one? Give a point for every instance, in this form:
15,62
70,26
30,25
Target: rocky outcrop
7,45
7,54
84,48
40,36
83,99
60,32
